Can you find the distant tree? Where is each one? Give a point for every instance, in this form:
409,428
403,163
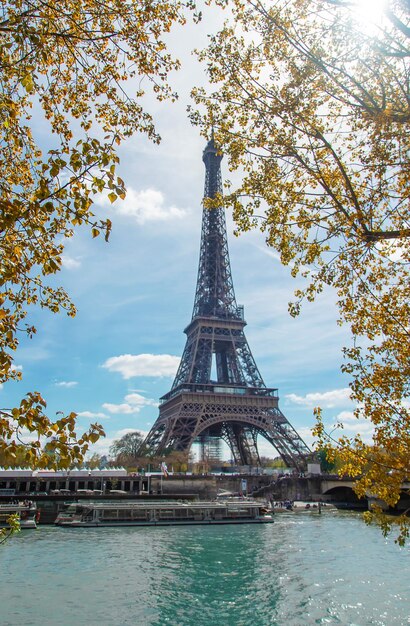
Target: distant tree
265,461
279,463
313,108
178,461
95,460
64,68
327,464
126,451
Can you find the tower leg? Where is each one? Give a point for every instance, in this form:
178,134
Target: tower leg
242,443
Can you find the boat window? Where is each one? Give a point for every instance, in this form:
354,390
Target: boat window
166,513
110,514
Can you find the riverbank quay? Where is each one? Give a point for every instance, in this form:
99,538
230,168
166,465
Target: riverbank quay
117,482
49,506
244,481
31,482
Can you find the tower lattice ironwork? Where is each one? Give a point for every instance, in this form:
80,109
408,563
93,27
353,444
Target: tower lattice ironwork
218,392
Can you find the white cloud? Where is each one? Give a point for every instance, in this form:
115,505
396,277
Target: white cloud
67,384
306,433
90,415
353,424
125,431
123,409
147,205
70,263
137,399
327,399
130,365
133,404
347,416
350,425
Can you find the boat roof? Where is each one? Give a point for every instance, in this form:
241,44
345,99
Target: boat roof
18,507
166,504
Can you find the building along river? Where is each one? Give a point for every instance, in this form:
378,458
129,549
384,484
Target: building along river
304,569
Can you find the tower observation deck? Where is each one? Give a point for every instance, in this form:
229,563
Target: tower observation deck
218,392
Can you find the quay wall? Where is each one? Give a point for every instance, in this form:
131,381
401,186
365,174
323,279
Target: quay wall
207,486
26,482
204,486
296,488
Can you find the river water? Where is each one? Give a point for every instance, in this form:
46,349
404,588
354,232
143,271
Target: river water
302,570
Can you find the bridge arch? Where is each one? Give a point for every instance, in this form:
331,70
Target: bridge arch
344,494
403,503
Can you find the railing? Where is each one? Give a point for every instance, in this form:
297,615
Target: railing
236,390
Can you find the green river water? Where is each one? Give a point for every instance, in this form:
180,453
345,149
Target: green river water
302,570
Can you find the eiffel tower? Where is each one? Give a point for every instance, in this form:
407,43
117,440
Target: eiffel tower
218,392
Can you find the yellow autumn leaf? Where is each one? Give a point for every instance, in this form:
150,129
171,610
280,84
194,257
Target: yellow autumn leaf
312,113
68,60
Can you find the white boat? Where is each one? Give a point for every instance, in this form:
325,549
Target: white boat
28,514
160,513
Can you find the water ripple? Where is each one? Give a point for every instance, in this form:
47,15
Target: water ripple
302,570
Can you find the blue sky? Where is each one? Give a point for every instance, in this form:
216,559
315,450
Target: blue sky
135,294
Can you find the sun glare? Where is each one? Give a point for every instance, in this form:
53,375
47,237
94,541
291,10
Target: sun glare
369,12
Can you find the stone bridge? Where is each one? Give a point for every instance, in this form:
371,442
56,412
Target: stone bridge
327,488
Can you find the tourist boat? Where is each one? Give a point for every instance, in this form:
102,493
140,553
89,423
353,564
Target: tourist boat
162,513
28,514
